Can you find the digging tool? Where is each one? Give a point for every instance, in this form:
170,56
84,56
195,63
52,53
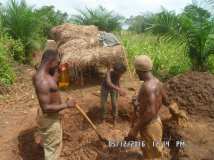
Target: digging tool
92,124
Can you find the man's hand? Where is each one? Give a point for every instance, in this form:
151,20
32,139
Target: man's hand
71,103
122,92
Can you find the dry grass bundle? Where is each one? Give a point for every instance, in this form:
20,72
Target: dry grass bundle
67,32
92,56
79,46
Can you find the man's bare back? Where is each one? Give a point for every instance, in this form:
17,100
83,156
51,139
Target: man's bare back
149,102
150,95
147,106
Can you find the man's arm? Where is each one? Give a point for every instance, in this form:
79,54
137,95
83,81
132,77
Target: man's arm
109,82
115,87
53,108
44,99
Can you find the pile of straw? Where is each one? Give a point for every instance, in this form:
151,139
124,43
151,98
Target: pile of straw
79,45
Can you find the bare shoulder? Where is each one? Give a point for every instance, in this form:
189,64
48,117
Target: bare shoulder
151,86
160,85
41,84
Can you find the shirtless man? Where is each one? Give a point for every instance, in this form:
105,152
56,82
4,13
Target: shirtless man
45,83
147,106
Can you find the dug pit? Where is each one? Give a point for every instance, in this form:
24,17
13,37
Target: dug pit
81,142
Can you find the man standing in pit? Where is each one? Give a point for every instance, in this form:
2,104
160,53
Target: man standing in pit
111,85
147,104
45,83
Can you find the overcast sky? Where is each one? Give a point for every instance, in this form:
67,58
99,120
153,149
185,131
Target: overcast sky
123,7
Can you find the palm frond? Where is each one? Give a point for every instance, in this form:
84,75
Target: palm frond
21,23
167,26
104,19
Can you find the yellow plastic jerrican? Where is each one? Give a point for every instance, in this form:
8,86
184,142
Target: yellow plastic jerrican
64,81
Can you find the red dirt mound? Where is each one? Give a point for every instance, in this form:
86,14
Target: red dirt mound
194,92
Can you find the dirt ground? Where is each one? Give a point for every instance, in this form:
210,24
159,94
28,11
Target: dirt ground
194,93
18,113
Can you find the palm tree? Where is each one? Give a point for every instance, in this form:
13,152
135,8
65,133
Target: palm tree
50,18
100,17
21,23
194,28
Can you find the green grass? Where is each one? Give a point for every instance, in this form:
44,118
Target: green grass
168,57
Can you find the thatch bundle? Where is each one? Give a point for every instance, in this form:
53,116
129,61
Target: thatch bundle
79,45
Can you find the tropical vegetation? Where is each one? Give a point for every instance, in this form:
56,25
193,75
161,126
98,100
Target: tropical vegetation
176,42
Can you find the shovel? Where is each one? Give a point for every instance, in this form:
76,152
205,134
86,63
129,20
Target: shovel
92,124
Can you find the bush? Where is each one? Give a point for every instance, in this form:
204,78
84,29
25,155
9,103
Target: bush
169,59
7,75
14,48
193,28
48,18
22,24
211,64
140,23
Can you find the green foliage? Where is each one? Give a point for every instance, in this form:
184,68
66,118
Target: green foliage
196,13
164,22
49,18
139,23
22,24
7,75
193,28
100,17
169,59
211,64
14,48
22,31
136,24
